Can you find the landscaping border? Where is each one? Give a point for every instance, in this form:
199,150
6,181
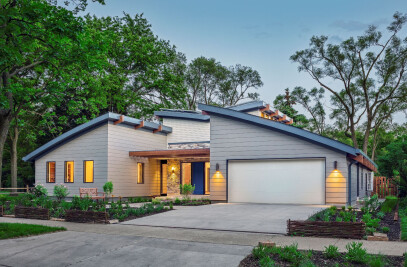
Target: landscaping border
31,213
353,230
86,216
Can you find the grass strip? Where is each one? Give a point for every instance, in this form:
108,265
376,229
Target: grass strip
13,230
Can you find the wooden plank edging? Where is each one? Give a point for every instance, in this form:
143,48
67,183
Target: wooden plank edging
354,230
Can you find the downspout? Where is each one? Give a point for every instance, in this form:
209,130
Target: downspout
350,182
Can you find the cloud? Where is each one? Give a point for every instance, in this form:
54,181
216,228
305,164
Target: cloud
354,25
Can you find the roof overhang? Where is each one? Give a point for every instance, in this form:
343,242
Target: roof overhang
90,125
188,115
361,159
171,153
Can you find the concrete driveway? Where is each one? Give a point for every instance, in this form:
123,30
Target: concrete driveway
89,249
261,218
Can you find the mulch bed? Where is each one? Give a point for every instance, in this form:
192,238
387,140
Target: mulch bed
319,260
145,215
394,226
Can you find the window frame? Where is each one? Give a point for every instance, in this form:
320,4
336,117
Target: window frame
142,172
47,173
73,176
84,172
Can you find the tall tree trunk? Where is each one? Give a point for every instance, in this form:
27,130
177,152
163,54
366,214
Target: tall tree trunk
4,127
13,154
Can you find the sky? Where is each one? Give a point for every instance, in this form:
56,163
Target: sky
259,34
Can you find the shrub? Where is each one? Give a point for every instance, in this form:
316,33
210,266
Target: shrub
389,204
291,254
371,204
177,201
377,261
108,188
331,252
266,262
261,251
356,253
40,190
385,229
186,190
380,215
61,191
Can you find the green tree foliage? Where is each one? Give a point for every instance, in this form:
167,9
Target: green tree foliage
369,74
393,163
144,72
209,82
40,44
285,103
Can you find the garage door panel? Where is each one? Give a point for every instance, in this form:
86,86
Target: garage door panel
277,181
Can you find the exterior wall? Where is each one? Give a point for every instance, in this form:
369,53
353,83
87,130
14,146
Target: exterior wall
173,179
231,139
122,169
184,130
90,146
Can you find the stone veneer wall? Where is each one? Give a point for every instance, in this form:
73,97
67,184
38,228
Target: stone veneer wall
189,145
173,178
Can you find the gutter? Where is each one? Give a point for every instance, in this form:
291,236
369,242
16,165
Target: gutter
350,182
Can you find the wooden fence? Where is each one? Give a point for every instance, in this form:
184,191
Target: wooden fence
384,187
354,230
14,190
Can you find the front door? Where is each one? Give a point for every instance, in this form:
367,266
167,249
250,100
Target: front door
198,177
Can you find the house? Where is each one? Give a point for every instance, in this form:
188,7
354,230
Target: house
243,153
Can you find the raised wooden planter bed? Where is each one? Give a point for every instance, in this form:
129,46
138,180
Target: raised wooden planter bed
1,211
31,213
86,216
354,230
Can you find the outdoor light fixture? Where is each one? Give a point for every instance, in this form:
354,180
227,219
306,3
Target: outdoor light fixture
173,170
335,165
217,167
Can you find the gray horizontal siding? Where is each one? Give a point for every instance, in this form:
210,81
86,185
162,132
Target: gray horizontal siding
232,139
89,146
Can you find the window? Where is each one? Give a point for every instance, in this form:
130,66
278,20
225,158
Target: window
88,171
69,171
186,176
140,173
51,172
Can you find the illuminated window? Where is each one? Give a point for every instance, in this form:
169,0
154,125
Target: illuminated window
140,173
51,172
88,171
69,171
186,173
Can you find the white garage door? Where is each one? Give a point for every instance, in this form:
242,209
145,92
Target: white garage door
294,181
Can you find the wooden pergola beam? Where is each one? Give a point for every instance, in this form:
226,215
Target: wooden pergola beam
140,125
266,108
160,128
120,120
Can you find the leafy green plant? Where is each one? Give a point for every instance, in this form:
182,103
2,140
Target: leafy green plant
61,191
385,229
40,190
108,188
187,190
356,253
370,221
261,251
377,261
371,204
380,215
291,254
266,262
331,252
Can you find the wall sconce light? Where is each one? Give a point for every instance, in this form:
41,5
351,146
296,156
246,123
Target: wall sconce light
217,167
173,170
335,165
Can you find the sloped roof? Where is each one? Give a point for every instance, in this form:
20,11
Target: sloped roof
288,129
83,128
182,114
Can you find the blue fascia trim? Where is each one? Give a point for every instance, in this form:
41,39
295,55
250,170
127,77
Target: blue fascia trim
248,106
77,131
297,132
182,115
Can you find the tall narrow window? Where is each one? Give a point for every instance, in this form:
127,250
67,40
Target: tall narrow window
140,173
51,172
69,171
88,171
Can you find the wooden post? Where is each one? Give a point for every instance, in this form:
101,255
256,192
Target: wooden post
27,188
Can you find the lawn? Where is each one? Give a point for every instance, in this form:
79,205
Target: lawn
13,230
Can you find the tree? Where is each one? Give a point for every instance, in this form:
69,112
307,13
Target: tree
144,72
240,81
311,101
285,103
203,79
393,164
368,73
40,42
